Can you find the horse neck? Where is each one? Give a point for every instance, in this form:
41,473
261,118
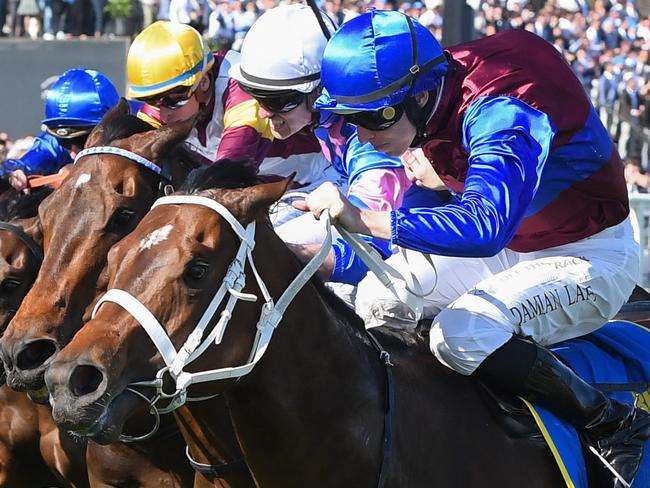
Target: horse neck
317,363
209,434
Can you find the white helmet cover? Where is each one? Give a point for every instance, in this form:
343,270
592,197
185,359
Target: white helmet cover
283,50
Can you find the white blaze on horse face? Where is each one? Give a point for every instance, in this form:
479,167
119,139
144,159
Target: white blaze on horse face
82,180
156,237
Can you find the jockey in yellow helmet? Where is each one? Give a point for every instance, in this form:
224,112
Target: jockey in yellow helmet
170,68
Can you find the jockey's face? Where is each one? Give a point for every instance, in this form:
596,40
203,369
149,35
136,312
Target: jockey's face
187,111
286,124
392,141
397,138
179,106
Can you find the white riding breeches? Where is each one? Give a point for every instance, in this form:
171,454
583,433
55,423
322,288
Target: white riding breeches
297,227
479,303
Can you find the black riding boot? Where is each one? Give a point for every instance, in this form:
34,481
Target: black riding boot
615,429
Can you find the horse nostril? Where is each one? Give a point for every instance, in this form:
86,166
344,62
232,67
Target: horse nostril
35,354
85,380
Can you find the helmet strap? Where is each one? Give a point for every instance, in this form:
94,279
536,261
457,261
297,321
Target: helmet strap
419,115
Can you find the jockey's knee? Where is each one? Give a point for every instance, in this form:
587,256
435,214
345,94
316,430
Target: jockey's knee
462,340
389,312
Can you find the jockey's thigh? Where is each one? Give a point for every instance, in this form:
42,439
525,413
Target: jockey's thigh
550,296
442,283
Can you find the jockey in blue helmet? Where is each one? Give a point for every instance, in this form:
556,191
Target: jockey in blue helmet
74,105
541,231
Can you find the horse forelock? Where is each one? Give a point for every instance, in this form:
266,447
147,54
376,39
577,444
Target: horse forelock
122,126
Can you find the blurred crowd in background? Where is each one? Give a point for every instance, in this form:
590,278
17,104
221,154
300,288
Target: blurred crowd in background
607,42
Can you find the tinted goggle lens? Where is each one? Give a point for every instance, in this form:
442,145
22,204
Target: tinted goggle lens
377,120
281,105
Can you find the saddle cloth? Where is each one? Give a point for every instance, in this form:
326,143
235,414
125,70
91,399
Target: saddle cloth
615,359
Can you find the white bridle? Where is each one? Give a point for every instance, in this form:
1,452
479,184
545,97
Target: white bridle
233,283
231,286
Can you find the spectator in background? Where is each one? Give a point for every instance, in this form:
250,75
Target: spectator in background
630,109
185,12
5,145
220,24
607,86
243,16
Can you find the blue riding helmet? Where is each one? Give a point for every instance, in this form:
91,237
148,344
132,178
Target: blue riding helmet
378,59
79,97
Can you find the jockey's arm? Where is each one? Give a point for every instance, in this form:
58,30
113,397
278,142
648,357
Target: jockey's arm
508,143
46,156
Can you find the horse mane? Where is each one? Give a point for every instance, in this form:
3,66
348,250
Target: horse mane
122,126
224,173
15,204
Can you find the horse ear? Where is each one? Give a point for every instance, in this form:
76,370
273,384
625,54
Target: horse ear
95,136
261,197
153,144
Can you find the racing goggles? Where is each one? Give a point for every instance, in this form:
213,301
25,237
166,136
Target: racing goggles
70,136
376,120
173,101
276,102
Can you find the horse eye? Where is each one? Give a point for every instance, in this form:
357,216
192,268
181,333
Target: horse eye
196,271
122,218
9,285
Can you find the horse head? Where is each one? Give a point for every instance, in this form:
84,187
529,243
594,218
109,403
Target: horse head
105,194
21,254
172,263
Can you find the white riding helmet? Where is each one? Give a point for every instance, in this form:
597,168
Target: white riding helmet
283,50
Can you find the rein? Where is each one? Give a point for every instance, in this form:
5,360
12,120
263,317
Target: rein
31,244
194,346
270,318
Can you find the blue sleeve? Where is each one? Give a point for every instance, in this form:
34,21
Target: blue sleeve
359,157
45,157
348,267
508,143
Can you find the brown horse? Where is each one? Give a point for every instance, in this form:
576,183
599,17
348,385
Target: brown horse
312,411
30,441
32,451
102,199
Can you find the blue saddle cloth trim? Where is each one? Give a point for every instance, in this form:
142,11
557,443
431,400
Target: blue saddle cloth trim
615,359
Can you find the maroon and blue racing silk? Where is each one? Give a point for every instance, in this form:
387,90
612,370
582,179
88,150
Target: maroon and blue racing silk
516,135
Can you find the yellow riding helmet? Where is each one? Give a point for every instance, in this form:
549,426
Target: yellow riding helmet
164,56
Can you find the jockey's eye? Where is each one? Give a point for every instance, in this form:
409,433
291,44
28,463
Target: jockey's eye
121,220
196,270
9,285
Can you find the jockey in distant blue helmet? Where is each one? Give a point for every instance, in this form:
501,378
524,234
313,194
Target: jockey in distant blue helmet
380,76
78,98
74,105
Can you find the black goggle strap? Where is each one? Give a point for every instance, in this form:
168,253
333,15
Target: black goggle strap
414,69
